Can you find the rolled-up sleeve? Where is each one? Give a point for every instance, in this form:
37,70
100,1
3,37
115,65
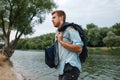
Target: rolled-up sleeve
75,37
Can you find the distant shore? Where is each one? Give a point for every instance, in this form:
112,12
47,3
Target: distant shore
104,50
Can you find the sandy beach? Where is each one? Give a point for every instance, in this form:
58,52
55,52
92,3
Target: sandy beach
7,71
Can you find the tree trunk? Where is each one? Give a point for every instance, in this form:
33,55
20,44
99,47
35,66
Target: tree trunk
7,51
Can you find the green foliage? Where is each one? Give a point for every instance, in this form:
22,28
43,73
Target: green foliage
91,25
111,39
22,14
116,29
103,33
38,43
93,36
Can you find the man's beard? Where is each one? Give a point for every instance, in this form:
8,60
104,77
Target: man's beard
57,25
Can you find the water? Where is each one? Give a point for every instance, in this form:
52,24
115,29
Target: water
101,67
97,67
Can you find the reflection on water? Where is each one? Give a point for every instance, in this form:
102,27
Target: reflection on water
97,67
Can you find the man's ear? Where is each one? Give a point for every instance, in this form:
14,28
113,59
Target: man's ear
61,17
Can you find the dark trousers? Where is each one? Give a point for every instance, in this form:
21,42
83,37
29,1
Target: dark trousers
70,73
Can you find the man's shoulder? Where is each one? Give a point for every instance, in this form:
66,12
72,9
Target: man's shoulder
70,29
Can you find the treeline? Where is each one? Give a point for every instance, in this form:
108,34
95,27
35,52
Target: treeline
99,37
96,37
39,42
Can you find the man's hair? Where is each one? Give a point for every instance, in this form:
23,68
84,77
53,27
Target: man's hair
60,13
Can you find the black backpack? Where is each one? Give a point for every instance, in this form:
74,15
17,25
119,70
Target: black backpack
51,55
84,53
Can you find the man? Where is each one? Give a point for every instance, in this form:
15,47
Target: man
69,46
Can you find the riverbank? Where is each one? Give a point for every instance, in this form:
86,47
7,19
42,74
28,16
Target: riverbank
104,50
7,71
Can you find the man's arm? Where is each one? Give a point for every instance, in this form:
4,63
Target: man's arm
67,45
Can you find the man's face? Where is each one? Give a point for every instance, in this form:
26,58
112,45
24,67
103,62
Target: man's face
56,20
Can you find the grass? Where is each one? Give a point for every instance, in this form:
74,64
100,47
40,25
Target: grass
104,50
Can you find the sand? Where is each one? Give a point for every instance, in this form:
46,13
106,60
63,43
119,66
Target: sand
7,71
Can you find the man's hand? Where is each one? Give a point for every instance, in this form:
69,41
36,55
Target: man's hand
59,36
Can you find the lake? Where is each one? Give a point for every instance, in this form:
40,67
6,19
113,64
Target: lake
97,67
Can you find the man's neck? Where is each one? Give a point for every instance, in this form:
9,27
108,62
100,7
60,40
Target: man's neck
61,25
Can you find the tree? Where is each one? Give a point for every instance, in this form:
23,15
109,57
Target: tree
111,39
103,33
89,33
20,16
116,29
91,25
93,37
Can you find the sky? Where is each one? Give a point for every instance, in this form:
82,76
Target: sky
103,13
